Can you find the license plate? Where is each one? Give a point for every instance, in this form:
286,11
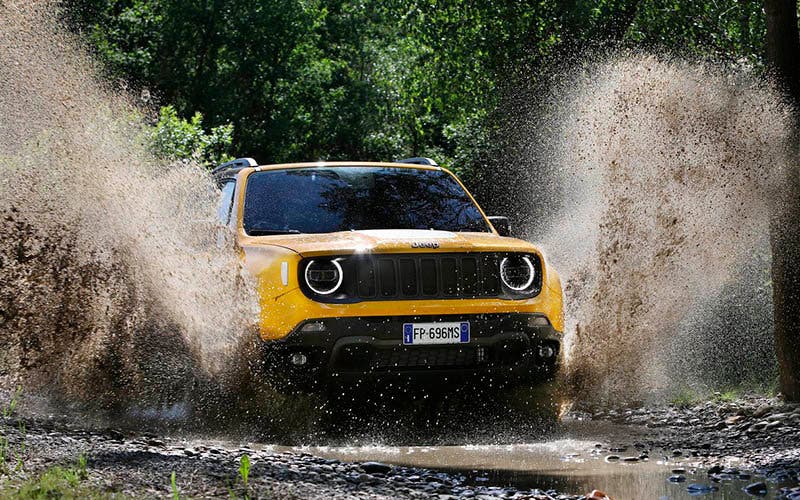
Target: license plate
436,333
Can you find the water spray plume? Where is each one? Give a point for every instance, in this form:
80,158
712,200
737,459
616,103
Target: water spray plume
114,279
670,167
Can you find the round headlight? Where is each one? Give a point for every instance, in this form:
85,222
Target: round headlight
517,272
323,277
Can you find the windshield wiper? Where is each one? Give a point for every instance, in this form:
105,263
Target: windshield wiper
257,231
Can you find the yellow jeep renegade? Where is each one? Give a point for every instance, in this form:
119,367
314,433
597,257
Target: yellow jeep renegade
388,270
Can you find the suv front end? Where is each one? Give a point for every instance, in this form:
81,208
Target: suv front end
391,271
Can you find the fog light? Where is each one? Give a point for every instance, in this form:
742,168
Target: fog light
299,359
546,351
314,326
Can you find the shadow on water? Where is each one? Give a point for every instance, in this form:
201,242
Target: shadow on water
459,414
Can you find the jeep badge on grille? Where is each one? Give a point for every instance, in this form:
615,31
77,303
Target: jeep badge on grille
425,244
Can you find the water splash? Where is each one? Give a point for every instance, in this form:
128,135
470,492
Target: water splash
667,169
116,284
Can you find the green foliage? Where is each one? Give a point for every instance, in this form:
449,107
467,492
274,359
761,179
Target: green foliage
685,398
56,482
244,469
728,30
335,79
174,485
9,409
174,138
9,452
727,396
311,79
83,473
3,454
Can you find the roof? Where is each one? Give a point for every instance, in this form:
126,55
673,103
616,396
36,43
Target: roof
282,166
230,169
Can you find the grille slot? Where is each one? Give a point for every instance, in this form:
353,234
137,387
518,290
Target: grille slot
408,277
449,276
469,275
388,277
429,282
490,274
365,284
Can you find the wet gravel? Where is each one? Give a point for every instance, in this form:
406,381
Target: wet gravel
760,435
756,440
140,465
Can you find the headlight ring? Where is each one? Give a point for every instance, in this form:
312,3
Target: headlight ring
317,278
513,278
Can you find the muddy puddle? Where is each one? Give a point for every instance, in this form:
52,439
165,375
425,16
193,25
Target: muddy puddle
577,458
568,466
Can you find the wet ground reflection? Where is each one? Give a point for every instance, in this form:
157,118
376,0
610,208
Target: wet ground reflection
577,458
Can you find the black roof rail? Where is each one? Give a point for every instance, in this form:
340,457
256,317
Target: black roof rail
238,163
419,161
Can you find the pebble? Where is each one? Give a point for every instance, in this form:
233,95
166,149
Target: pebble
375,467
596,495
734,419
758,489
701,489
762,410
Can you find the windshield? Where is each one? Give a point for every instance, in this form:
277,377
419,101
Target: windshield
330,199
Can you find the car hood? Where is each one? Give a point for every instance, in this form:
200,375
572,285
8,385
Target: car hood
392,241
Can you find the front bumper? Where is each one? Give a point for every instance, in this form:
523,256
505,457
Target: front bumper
503,347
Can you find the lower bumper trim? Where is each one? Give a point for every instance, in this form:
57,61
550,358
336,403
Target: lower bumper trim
501,345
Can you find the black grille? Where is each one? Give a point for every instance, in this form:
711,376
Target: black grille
424,276
362,357
421,357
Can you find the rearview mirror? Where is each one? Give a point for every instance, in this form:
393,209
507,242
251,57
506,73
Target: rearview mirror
500,224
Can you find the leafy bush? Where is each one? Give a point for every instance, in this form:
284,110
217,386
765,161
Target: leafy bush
175,138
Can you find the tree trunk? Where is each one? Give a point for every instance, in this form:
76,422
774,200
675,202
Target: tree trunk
783,54
785,233
783,44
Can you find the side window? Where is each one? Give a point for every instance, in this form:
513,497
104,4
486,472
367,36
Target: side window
226,202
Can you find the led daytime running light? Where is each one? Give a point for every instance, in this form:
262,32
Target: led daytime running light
531,274
320,292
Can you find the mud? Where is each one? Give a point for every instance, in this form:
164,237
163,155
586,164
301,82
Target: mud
668,170
116,285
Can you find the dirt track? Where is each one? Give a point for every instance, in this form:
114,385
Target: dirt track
761,436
